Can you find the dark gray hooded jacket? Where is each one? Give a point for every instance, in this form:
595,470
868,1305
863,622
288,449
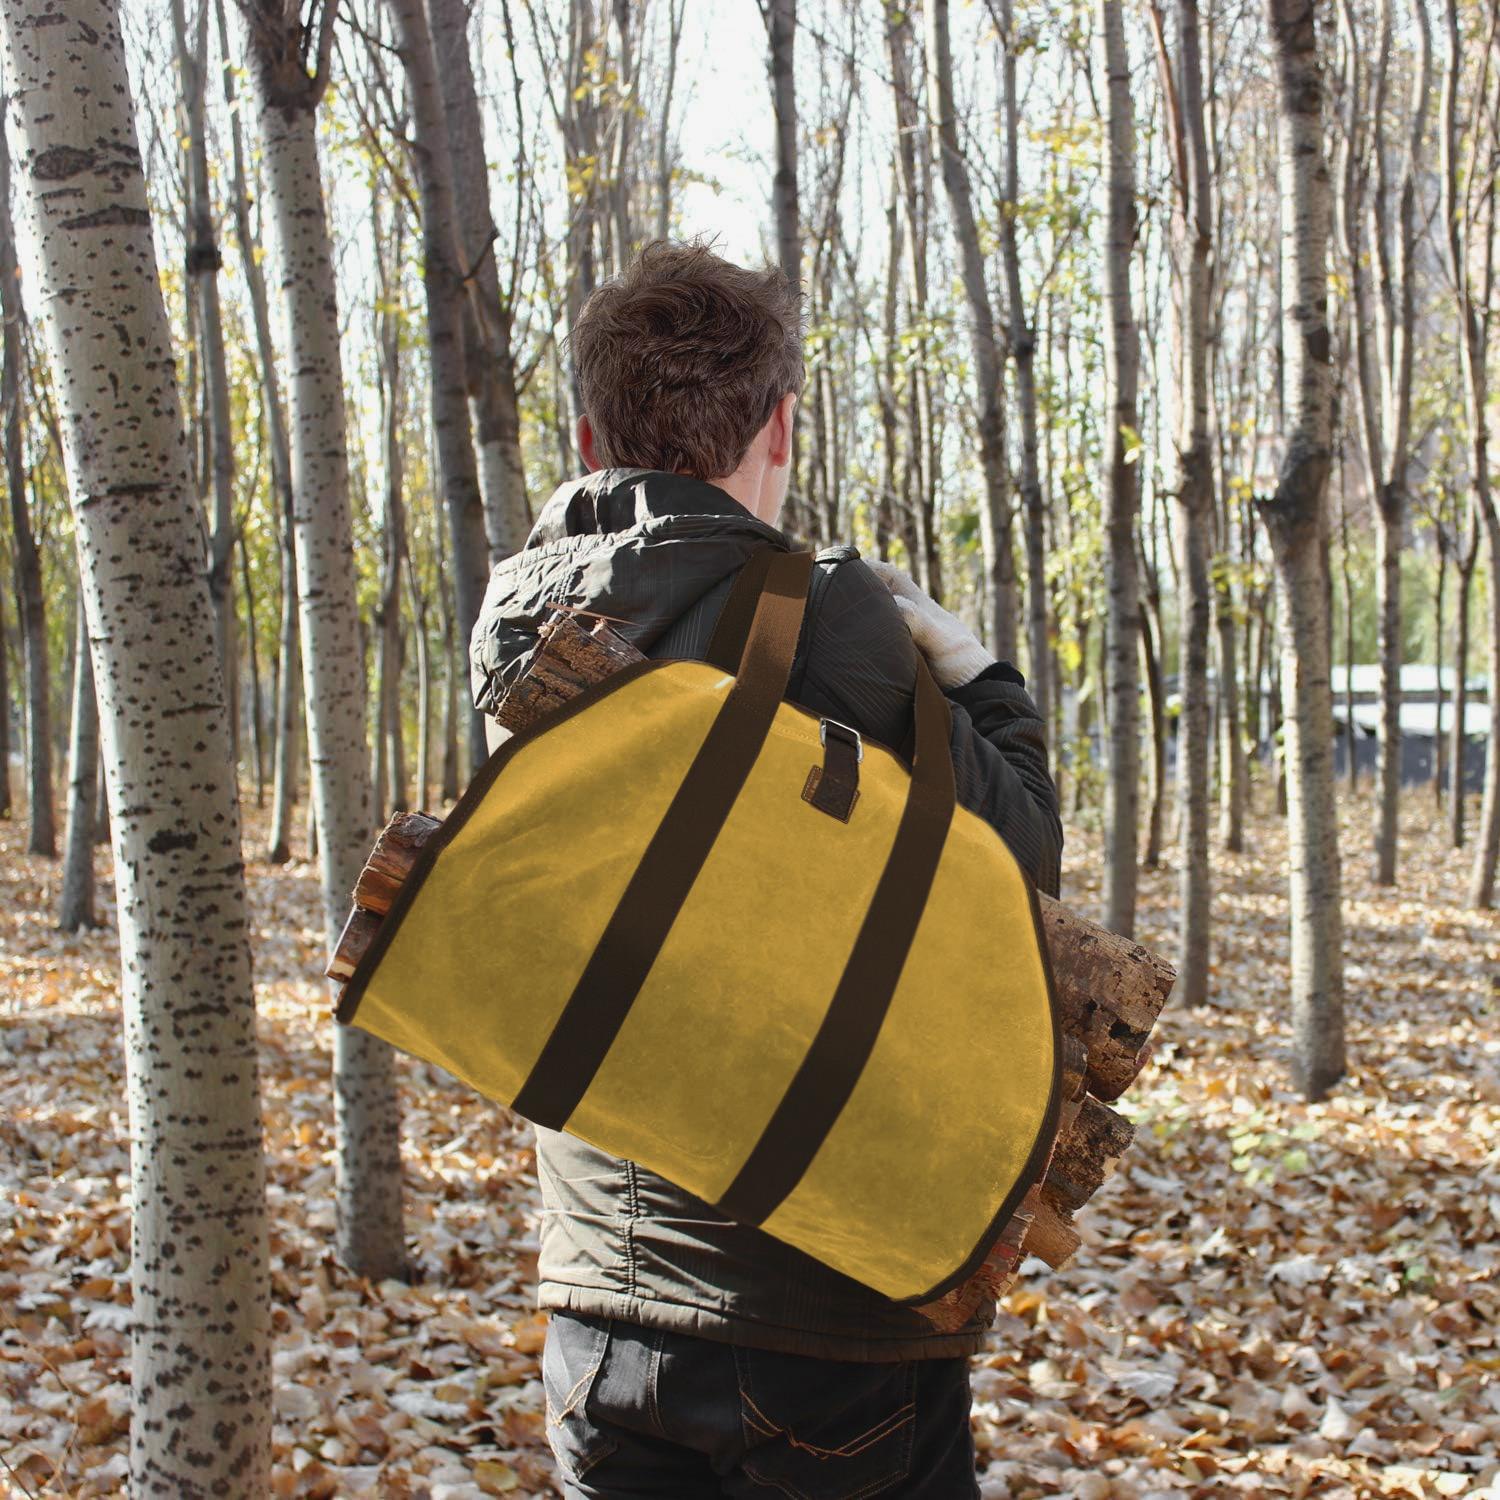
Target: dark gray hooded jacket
660,552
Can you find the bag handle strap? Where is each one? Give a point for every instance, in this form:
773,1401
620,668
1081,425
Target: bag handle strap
732,629
765,662
932,761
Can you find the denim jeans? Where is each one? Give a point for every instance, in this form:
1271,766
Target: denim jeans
646,1412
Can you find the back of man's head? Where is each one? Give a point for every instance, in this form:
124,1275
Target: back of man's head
682,358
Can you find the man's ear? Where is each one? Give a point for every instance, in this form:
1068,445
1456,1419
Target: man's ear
585,434
781,430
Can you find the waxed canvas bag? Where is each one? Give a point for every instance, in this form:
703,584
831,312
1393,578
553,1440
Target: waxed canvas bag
708,931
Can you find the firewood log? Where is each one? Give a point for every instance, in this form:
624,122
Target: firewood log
392,858
1086,1154
568,658
1111,991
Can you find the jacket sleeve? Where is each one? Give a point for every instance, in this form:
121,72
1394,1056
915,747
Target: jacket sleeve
859,665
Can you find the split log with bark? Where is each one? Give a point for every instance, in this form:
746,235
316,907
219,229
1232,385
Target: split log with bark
1109,989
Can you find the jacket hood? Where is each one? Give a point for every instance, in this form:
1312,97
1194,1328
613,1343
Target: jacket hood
640,545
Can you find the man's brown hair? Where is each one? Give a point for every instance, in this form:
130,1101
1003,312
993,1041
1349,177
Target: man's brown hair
682,358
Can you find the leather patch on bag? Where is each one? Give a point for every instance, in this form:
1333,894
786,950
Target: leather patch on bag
830,794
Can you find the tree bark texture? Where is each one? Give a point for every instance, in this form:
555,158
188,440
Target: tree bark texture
5,792
388,774
257,701
76,907
781,25
287,759
1458,741
1391,493
458,471
367,1114
1193,243
1294,521
1233,777
999,611
31,604
200,1348
913,171
1474,303
202,264
1122,361
489,363
1023,351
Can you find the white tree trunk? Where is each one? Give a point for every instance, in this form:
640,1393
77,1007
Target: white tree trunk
200,1369
1467,222
76,908
1122,359
1294,521
994,508
1023,351
490,360
31,604
203,265
458,471
1193,236
366,1107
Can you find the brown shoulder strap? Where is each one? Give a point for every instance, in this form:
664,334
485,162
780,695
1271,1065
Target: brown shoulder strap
732,629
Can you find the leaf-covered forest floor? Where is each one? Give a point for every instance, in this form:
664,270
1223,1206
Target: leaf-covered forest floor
1272,1298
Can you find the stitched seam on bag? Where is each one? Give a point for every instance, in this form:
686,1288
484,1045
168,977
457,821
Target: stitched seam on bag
852,1448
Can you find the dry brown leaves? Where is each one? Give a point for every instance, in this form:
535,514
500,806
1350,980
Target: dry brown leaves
1272,1298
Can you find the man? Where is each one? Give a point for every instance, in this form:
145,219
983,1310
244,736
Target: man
688,1355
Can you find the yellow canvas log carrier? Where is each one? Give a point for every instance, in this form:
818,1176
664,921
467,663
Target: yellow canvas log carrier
707,931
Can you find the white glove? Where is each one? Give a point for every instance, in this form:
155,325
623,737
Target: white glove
953,652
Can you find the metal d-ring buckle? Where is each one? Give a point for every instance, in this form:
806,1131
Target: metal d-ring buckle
853,734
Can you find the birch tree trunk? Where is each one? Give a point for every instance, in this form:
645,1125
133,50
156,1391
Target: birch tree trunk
580,139
781,27
5,793
781,34
494,403
458,472
1023,351
31,604
287,760
1392,493
257,702
1439,620
367,1114
994,509
1459,741
913,167
203,262
1294,521
76,908
424,691
1466,218
1195,511
1122,361
200,1351
387,775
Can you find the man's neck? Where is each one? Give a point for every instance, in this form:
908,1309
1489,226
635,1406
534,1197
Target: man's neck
748,484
